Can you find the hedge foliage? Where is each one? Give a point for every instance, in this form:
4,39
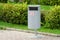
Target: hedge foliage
3,1
14,13
17,13
50,2
41,2
44,2
53,18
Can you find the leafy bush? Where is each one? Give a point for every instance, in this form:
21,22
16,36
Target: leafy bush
3,1
43,2
14,13
53,18
28,1
43,13
50,2
32,1
16,1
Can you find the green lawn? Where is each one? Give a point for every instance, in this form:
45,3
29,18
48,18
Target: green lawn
24,27
45,7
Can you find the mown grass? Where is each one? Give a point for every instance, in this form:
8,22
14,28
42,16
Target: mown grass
45,7
25,27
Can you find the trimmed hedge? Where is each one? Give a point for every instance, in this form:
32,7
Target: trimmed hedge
14,13
53,18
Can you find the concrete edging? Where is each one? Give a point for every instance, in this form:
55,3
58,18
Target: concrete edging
29,31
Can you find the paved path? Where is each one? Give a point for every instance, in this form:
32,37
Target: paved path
16,35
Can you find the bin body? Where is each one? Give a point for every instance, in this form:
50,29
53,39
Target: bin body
34,16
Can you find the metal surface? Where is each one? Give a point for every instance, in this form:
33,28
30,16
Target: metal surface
34,16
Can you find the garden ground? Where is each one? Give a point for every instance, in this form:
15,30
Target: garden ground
4,25
16,35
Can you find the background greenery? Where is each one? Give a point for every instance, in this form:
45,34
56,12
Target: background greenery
17,14
50,2
14,13
53,18
41,2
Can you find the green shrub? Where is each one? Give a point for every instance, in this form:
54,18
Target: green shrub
17,13
14,13
16,1
53,18
50,2
3,1
34,2
43,13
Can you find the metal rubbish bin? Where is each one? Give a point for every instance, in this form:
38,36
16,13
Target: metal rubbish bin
34,16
